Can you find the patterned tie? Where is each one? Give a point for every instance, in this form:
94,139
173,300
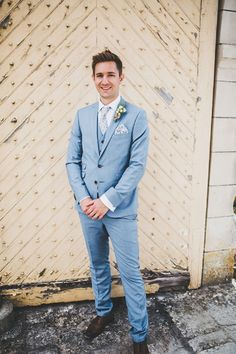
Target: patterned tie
103,119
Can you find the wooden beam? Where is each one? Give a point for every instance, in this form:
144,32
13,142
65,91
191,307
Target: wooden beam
67,291
203,135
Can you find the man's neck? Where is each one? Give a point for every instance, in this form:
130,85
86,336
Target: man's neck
108,101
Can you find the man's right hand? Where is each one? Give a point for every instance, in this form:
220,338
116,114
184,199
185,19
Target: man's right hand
86,203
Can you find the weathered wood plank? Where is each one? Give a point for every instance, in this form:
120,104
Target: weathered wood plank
166,26
6,9
203,135
220,200
182,20
36,294
190,11
22,10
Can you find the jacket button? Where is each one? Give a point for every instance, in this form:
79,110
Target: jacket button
96,182
102,141
99,166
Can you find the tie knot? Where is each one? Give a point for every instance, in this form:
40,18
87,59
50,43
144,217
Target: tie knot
105,109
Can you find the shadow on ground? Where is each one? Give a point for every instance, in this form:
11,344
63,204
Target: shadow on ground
197,321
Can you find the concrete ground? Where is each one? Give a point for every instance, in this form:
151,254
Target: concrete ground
197,321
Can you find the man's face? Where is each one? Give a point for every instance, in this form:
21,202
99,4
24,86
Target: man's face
107,81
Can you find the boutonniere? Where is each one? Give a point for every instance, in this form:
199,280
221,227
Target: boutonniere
120,110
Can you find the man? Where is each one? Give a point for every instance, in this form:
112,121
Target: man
106,160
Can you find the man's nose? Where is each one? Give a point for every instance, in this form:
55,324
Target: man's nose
105,80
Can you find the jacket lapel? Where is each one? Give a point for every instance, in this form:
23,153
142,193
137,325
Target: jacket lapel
94,126
114,124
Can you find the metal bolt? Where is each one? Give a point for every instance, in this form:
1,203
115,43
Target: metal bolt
14,120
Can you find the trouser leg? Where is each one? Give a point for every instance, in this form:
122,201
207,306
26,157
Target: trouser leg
97,243
123,234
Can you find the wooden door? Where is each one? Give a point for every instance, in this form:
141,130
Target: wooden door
167,48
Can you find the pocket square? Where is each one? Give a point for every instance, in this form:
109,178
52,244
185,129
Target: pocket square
121,129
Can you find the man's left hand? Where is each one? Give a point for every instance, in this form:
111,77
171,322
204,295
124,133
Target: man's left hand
97,210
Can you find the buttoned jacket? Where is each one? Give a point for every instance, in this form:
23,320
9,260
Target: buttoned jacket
120,165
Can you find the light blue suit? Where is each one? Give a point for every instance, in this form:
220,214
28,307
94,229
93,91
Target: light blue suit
113,166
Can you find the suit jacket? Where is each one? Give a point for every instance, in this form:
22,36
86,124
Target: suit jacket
118,168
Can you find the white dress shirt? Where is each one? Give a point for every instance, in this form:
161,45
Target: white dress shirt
113,106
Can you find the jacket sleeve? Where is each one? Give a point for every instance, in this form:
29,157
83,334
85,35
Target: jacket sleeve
74,162
137,162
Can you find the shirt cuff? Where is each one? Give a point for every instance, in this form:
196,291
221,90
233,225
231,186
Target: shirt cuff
107,202
83,198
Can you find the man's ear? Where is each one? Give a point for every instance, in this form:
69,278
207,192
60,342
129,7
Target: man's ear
122,77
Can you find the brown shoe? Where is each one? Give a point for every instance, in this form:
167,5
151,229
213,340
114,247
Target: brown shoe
141,348
97,325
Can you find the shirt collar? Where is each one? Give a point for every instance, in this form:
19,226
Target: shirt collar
112,104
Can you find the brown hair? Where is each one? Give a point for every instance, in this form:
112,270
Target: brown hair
106,55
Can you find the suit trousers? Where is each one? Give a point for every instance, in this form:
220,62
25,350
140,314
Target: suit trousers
123,235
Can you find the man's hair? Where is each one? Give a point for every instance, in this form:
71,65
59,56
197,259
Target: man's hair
106,55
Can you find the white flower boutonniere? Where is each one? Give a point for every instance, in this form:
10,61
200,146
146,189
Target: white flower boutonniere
120,110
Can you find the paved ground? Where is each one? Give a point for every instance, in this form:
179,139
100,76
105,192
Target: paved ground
200,321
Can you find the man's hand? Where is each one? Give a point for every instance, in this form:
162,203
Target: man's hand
97,210
85,204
